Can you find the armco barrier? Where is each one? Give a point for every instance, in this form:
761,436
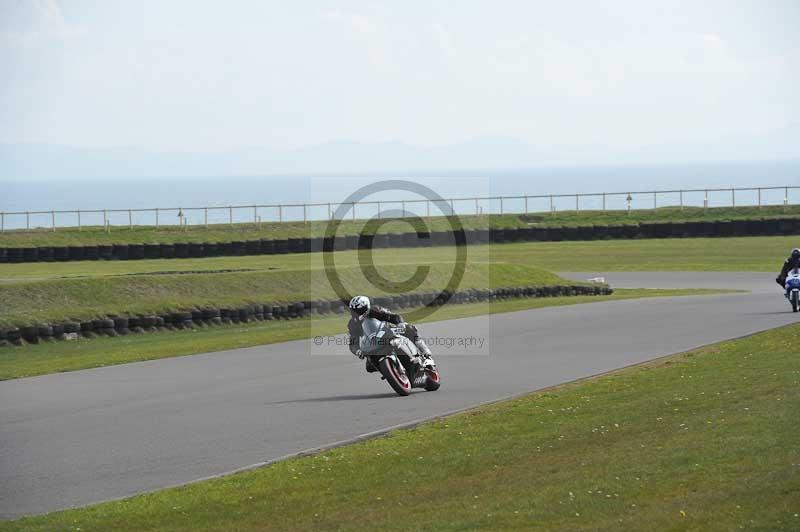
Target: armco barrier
188,319
181,250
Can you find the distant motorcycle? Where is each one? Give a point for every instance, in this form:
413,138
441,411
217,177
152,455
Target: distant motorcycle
398,359
792,287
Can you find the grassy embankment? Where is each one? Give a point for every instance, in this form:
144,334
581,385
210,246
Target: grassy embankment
695,254
706,440
276,230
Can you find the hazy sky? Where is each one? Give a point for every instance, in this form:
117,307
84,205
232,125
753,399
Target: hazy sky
215,75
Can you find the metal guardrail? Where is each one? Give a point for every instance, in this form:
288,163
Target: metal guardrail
633,200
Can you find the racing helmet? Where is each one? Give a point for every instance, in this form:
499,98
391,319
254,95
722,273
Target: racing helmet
796,253
359,306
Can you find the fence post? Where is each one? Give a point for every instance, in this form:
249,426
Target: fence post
705,202
604,202
329,211
53,220
27,220
501,205
577,203
403,207
552,207
354,211
230,216
681,199
305,213
79,219
130,219
733,197
255,215
526,204
655,200
452,208
280,213
428,207
2,222
205,217
785,199
476,206
759,198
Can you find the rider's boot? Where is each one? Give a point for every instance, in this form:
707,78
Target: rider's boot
424,350
369,367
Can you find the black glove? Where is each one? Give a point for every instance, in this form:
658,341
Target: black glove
778,280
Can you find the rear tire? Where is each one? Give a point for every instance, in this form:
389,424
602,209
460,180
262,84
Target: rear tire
397,380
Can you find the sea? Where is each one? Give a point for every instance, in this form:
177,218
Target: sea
198,200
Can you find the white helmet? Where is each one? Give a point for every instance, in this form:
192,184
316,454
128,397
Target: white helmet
359,306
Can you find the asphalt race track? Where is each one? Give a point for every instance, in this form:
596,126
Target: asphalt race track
82,437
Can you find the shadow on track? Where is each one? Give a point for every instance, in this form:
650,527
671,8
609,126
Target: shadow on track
335,398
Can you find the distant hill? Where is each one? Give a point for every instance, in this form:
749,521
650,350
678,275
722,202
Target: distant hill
50,161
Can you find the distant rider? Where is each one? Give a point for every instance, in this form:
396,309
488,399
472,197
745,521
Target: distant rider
361,308
791,263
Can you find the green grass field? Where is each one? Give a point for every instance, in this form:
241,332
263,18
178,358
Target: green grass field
706,440
247,231
30,360
81,290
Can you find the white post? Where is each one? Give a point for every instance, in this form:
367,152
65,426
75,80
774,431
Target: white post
53,220
733,197
130,219
379,210
428,206
577,203
305,213
526,204
354,211
230,216
681,199
2,222
27,220
79,220
403,207
785,198
552,207
476,207
280,213
156,217
205,216
501,205
255,214
655,200
105,218
604,201
759,198
705,202
329,211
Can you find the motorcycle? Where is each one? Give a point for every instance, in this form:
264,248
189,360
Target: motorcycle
792,286
400,362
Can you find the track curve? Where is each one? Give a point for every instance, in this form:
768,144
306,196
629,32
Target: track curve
76,438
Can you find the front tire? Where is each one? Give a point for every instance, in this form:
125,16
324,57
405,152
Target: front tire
795,303
396,378
432,382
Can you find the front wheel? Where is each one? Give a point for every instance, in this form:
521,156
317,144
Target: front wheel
395,376
795,303
432,382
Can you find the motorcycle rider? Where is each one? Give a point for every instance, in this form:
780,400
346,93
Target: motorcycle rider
361,309
791,263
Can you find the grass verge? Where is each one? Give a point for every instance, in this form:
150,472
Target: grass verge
706,440
94,235
58,357
85,298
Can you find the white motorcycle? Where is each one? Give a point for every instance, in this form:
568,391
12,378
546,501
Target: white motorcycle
397,358
792,286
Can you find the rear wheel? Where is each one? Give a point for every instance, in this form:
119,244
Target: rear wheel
395,376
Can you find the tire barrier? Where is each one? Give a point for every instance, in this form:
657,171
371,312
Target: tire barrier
206,317
179,250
